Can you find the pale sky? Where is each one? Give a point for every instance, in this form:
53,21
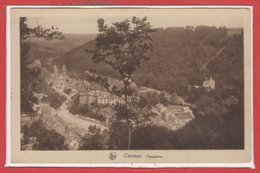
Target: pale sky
87,23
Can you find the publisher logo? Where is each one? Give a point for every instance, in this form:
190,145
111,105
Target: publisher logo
112,156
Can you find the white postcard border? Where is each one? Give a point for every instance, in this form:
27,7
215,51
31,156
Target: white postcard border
118,165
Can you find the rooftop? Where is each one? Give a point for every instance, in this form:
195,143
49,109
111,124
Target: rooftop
184,115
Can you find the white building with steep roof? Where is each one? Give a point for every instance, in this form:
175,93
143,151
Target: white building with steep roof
209,84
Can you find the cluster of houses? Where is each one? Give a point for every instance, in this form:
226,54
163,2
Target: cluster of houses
94,93
88,92
173,116
52,121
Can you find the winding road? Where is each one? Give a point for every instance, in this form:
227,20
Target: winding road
75,120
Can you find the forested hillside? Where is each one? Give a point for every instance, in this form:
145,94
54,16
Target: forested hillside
177,60
43,49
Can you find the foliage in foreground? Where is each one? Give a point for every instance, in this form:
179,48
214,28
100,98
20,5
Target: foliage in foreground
95,140
206,132
46,139
85,110
30,75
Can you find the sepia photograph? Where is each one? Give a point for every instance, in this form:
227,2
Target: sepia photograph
131,80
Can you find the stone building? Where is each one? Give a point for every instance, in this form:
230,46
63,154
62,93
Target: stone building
94,93
59,79
173,116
